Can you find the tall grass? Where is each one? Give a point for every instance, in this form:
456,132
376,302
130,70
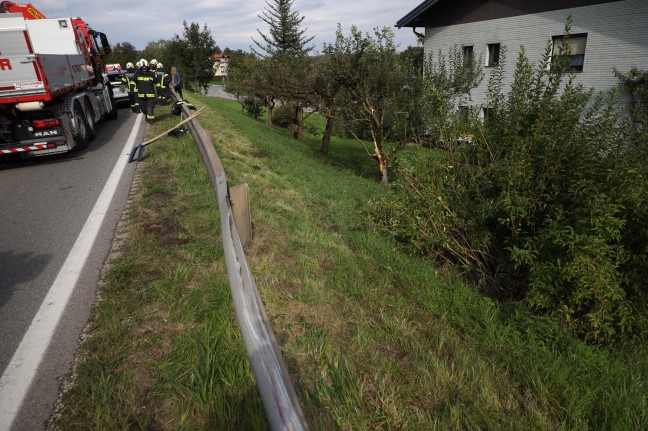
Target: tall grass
374,339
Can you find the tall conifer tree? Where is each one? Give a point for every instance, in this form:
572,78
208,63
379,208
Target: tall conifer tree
285,33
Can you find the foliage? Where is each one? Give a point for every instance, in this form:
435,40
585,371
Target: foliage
286,35
280,70
413,56
368,73
547,202
636,83
123,53
445,87
325,96
158,50
283,116
253,106
195,50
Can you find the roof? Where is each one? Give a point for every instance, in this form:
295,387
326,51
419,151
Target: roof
441,12
413,19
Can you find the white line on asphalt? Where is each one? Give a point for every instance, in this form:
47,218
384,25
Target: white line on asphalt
24,364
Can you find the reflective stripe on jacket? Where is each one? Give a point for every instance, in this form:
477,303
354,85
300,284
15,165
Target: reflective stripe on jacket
127,79
162,79
145,83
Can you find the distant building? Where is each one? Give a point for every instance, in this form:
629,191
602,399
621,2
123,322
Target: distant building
604,34
220,64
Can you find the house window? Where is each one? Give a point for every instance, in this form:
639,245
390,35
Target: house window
468,54
577,43
493,54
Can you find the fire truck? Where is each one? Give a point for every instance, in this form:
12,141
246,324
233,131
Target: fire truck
53,88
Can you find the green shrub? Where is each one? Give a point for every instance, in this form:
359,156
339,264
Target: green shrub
253,106
283,115
547,203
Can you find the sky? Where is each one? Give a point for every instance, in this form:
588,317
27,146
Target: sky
232,23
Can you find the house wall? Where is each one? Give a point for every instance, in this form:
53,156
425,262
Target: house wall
617,36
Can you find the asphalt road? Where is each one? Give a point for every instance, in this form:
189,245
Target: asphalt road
44,204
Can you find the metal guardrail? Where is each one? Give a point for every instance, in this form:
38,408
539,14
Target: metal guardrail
272,379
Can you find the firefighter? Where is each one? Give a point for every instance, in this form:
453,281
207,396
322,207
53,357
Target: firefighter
145,84
162,85
131,87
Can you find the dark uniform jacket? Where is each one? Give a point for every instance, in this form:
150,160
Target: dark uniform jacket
145,83
128,81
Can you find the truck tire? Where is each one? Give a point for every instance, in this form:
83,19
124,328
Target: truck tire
92,126
81,136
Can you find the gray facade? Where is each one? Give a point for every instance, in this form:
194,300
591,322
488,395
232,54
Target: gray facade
615,34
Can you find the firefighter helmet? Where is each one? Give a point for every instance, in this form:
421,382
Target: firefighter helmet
153,63
143,63
160,66
129,65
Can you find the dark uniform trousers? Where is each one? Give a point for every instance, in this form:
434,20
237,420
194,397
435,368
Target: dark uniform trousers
145,83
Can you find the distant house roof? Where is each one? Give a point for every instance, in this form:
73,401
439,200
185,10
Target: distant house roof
434,13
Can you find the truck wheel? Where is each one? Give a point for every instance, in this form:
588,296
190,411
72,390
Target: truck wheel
80,127
92,127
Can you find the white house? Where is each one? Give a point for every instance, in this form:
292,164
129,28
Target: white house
221,63
605,34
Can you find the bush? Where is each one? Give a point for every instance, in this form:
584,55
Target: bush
252,106
283,115
547,204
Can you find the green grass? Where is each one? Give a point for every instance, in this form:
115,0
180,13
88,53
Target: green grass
374,339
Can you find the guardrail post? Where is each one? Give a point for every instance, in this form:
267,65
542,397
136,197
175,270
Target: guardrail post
240,199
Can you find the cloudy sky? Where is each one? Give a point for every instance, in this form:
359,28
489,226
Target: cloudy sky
232,23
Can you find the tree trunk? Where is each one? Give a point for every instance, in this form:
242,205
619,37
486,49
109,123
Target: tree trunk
326,139
296,123
382,163
270,103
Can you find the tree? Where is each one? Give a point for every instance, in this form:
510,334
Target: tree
156,49
286,35
413,57
195,50
370,77
326,98
122,53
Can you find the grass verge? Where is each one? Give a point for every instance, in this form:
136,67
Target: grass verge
374,339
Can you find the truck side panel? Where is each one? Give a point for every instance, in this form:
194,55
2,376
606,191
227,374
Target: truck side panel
52,36
19,75
64,71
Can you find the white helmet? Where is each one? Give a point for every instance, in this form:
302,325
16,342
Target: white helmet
138,64
153,62
143,63
129,64
160,66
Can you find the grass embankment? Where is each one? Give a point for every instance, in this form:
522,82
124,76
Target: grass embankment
374,339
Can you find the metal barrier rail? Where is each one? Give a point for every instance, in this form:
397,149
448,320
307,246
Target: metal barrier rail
273,382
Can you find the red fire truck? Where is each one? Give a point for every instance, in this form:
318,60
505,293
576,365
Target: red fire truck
53,89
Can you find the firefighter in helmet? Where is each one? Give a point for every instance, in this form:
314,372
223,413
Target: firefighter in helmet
145,84
129,82
162,85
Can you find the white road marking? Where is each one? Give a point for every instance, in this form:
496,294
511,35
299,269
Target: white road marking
20,372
